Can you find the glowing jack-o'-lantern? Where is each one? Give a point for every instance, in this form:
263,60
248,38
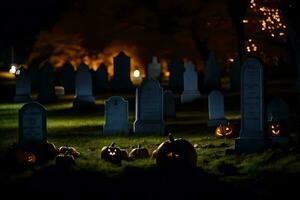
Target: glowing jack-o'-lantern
225,130
30,158
275,128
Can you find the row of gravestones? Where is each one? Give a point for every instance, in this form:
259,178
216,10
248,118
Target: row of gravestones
151,107
178,79
149,112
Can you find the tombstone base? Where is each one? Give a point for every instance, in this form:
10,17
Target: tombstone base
149,127
216,122
22,98
83,101
249,145
115,130
189,96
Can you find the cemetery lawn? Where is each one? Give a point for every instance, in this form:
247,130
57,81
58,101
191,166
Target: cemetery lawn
262,175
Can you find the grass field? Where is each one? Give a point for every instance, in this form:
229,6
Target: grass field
260,174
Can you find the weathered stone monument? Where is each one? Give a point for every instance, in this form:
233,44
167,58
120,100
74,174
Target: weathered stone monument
23,88
67,78
251,137
149,109
190,92
32,124
176,69
101,78
212,72
215,109
47,84
83,86
154,70
116,116
169,104
121,79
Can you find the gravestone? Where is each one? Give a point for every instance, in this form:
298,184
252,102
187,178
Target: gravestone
67,78
215,108
32,124
176,69
121,79
116,116
235,75
101,78
23,88
154,70
34,74
251,137
149,109
83,87
278,112
212,72
47,84
169,104
190,77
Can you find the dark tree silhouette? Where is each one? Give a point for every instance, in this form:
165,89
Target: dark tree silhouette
237,10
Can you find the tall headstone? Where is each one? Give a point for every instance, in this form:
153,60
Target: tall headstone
190,77
154,70
83,87
215,108
47,84
176,69
212,72
32,124
67,78
149,109
101,78
23,88
169,104
235,75
121,79
116,116
251,137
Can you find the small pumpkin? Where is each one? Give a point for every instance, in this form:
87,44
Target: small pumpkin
65,160
275,128
225,130
139,153
125,155
176,153
68,150
112,153
29,158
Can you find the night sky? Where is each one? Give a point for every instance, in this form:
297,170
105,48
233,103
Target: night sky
21,20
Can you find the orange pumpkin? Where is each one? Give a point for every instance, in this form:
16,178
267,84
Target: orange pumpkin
225,130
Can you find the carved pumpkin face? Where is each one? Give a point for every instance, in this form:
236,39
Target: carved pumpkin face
225,130
29,158
112,154
175,153
274,128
